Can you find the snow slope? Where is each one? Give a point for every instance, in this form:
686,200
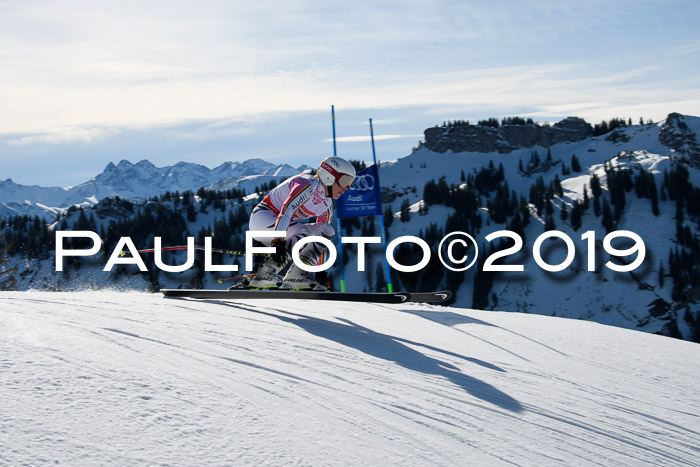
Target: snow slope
114,378
605,296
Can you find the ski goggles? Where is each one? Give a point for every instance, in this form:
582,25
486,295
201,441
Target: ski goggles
344,180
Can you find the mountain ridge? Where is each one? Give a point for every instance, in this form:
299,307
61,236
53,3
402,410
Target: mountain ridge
505,138
135,182
143,179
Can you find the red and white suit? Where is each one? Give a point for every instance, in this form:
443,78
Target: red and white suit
297,198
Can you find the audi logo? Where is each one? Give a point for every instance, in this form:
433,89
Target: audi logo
363,183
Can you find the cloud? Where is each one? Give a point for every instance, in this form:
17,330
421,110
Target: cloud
167,80
45,109
364,139
63,135
67,74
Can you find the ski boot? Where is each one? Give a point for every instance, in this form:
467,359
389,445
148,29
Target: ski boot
298,279
267,276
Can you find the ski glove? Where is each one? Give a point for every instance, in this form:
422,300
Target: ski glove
280,254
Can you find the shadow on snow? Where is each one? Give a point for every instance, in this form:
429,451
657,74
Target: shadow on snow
397,350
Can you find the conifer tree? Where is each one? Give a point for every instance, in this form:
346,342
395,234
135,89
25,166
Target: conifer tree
564,212
575,164
388,218
405,214
8,281
576,213
607,219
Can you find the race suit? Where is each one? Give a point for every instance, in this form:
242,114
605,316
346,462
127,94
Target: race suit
297,198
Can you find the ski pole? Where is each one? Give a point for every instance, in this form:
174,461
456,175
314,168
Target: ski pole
196,247
221,280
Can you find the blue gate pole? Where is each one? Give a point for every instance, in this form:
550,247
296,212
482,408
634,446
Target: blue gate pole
389,285
340,233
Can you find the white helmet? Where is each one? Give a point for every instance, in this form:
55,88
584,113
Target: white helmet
334,169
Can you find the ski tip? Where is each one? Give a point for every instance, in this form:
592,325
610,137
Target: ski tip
431,297
444,295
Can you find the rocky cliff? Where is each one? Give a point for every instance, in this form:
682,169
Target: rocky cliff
507,138
680,134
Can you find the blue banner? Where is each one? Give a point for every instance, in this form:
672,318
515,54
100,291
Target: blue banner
364,196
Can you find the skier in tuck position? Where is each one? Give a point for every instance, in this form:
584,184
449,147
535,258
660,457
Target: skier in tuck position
299,197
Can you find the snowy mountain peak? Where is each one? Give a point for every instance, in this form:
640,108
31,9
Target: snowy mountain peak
134,182
241,169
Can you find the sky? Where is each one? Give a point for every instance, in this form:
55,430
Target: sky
85,83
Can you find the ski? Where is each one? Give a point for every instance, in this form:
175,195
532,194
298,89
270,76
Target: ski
368,297
240,294
430,297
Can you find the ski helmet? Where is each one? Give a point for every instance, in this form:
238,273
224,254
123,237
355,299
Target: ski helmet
335,169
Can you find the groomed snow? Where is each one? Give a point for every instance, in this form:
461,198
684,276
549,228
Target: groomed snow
109,378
